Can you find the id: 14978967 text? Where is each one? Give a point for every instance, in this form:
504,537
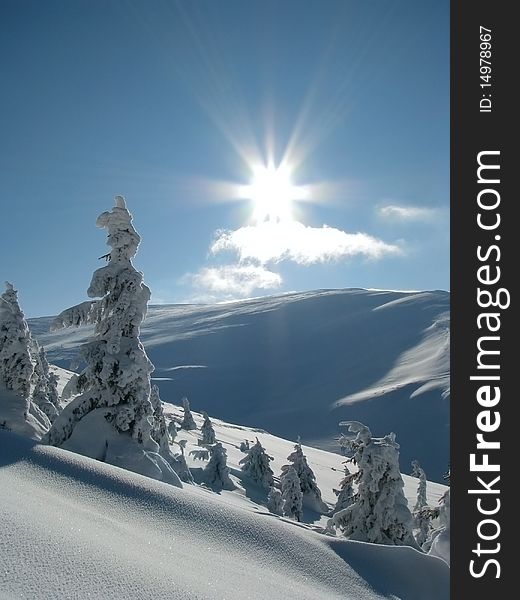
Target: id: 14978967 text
485,69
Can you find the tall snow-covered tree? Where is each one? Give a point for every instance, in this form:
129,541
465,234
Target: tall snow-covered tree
418,472
45,394
291,494
275,501
112,418
16,365
188,422
208,433
380,511
18,412
216,472
311,492
256,465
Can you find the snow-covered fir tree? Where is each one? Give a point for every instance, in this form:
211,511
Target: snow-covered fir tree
45,394
16,365
216,472
438,543
172,430
18,411
423,523
256,465
112,418
159,429
345,493
208,433
275,501
422,513
181,466
418,472
188,422
291,494
311,492
380,511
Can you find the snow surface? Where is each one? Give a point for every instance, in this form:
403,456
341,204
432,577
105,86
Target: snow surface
73,527
12,416
299,363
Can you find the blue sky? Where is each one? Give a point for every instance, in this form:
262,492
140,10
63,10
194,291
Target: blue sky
173,104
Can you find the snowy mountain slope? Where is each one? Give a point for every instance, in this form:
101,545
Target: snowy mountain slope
83,528
299,363
327,466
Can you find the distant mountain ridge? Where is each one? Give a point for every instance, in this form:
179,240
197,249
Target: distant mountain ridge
297,364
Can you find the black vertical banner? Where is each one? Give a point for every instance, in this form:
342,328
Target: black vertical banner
483,267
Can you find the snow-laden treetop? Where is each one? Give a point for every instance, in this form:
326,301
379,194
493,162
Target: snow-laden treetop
122,237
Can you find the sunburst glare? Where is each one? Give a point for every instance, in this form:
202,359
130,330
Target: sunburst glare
272,192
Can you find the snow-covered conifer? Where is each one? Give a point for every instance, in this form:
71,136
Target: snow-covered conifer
311,492
181,466
18,412
172,430
380,511
256,465
16,365
422,513
275,501
216,472
188,422
345,494
438,544
423,523
208,433
291,494
421,489
112,417
159,429
45,394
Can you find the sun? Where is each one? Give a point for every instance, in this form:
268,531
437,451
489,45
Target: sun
272,192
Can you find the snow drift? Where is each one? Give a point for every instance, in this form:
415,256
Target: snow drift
80,528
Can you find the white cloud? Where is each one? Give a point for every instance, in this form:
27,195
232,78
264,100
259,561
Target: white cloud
277,241
407,213
234,280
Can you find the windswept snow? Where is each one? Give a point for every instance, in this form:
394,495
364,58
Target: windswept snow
72,527
298,363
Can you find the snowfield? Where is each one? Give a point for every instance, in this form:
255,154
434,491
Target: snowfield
299,363
73,527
